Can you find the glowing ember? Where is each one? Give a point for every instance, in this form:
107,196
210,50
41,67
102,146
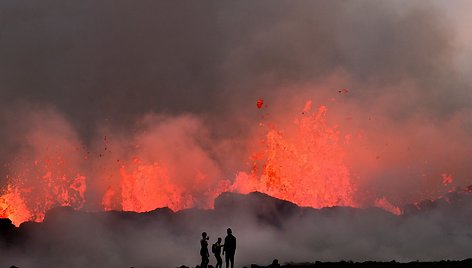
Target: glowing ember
446,179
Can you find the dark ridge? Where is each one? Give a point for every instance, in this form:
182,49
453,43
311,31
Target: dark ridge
451,203
7,230
268,210
255,200
373,264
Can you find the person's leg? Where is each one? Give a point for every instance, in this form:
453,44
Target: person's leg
207,260
232,261
227,260
219,261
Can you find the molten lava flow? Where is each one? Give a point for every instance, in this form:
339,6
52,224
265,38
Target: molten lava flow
384,204
307,168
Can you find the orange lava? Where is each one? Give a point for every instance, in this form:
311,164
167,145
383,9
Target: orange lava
12,206
306,168
384,204
147,186
303,163
446,179
28,196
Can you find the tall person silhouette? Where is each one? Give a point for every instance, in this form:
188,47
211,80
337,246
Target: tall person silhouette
229,248
204,250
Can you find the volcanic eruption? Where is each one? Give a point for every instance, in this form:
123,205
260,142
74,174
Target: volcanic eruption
306,167
317,131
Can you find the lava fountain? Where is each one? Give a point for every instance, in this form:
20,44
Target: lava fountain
304,165
306,168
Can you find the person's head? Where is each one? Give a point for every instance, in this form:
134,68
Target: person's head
229,231
204,234
219,239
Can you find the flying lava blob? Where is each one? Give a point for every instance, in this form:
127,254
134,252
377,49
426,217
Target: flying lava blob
259,103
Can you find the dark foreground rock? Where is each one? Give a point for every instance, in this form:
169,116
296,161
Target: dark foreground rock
372,264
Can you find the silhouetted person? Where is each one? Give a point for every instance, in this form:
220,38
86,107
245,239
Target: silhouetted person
216,249
204,250
229,248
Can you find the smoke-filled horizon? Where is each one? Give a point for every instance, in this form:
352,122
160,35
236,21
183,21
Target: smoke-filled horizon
265,229
170,88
